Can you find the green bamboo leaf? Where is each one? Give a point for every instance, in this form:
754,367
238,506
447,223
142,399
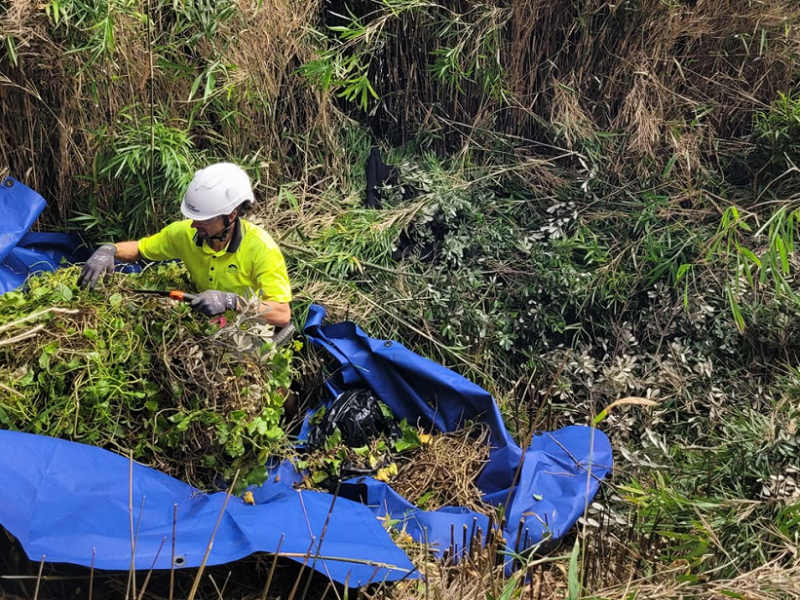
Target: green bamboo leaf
668,167
195,86
510,590
737,313
11,49
210,83
54,11
781,246
749,255
683,270
573,577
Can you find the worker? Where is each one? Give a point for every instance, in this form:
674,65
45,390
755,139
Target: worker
229,259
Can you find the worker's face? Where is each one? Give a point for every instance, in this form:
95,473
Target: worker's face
210,227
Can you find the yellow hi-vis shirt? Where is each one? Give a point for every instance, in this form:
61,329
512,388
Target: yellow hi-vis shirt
251,264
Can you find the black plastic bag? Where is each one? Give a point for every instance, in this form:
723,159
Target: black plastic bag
358,416
378,173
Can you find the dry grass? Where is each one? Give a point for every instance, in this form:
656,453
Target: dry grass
477,577
765,583
642,114
270,43
35,107
50,107
573,123
444,471
672,78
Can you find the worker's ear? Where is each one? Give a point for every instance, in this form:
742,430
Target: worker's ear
233,215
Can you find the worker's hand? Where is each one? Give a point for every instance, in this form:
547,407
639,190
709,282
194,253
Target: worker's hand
99,263
212,302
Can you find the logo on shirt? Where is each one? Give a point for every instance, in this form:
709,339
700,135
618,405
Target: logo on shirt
232,269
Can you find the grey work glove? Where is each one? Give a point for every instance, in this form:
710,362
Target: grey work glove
213,302
99,263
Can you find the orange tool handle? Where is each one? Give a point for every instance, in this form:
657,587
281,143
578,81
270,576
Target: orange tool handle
174,294
181,296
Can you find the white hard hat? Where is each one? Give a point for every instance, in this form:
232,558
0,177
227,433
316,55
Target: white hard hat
216,190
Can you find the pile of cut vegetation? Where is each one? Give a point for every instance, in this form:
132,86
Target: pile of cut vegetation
143,375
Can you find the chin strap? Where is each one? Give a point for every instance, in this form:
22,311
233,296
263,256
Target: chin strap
225,231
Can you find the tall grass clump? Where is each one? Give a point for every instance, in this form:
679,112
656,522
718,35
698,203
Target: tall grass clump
541,76
123,99
777,130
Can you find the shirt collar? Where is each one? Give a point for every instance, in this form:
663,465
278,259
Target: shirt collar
236,238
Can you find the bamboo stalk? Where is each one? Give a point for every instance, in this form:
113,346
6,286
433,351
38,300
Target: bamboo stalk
196,582
39,578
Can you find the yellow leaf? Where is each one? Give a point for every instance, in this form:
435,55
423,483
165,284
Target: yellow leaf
632,400
404,538
385,473
248,498
425,438
623,402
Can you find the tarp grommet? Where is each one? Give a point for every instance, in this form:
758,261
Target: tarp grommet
8,182
387,343
179,560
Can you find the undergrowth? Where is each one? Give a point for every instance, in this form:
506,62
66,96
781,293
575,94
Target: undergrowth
560,308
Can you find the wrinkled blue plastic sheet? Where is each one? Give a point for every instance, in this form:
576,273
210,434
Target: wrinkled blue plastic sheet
19,206
560,472
69,502
23,253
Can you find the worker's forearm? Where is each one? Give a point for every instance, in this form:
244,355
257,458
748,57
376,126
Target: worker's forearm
127,251
275,313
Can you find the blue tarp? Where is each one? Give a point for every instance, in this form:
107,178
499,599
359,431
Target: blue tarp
560,472
22,252
70,502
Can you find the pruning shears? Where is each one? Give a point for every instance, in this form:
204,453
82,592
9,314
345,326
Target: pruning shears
174,294
180,297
